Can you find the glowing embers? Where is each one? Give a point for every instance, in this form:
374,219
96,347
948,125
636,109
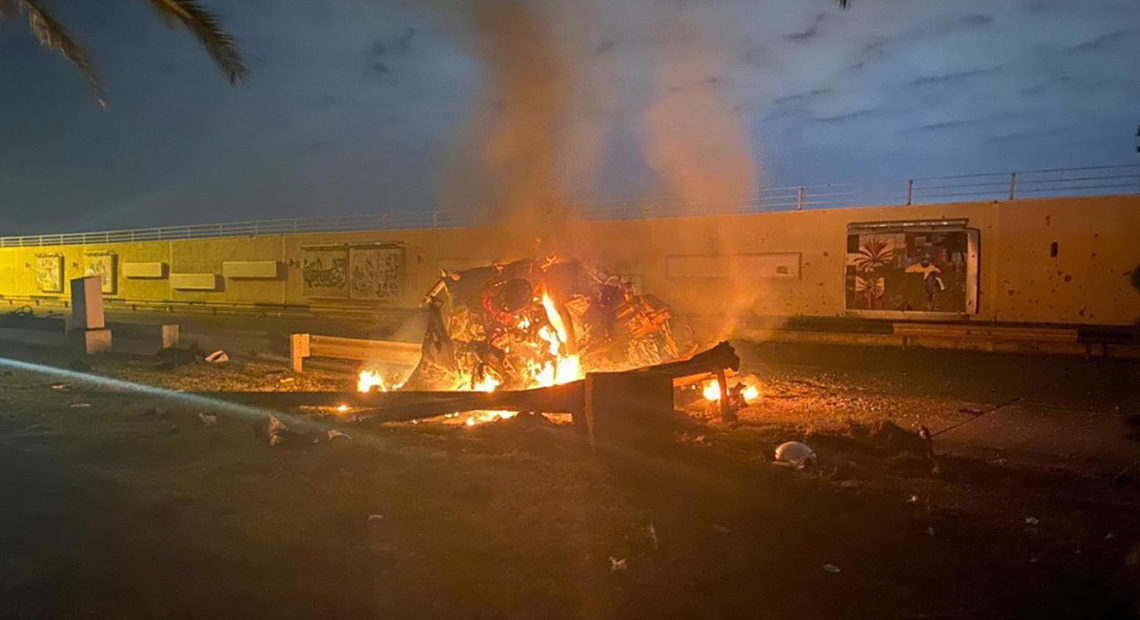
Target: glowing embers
747,392
372,380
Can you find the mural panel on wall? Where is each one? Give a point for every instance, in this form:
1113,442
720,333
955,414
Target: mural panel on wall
49,273
912,268
103,264
324,271
376,271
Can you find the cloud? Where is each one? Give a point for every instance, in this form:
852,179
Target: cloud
811,32
1106,42
951,78
954,124
849,116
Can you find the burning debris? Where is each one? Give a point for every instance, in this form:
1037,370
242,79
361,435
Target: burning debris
536,322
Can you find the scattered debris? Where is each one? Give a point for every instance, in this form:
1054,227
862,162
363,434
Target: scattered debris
172,357
80,365
333,434
720,529
60,387
929,531
617,565
653,536
831,568
1127,477
208,419
1133,557
375,517
1110,536
274,430
79,405
1032,520
174,429
286,381
217,357
971,411
913,499
795,453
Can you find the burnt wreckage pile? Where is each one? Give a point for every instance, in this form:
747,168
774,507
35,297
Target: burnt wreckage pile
537,322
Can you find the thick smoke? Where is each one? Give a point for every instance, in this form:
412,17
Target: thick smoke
560,76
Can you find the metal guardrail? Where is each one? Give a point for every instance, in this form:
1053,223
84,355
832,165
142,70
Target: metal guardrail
1056,182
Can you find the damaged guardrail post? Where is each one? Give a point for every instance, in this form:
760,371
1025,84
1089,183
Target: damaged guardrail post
298,350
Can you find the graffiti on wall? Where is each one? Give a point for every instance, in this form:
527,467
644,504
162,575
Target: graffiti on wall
103,264
910,270
49,273
376,271
324,271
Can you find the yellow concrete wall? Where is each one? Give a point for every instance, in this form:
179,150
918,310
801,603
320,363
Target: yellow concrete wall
1089,281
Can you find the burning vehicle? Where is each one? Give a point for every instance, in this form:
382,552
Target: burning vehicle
538,322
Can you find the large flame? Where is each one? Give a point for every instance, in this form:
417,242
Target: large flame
711,391
554,317
370,379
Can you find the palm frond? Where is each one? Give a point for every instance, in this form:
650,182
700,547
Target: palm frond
51,34
206,26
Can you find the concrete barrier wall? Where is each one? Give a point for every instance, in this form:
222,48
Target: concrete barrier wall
783,263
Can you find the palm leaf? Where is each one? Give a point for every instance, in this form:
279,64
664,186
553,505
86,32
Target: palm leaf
206,26
51,34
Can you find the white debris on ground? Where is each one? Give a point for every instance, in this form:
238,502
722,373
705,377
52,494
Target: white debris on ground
617,565
795,453
274,430
208,419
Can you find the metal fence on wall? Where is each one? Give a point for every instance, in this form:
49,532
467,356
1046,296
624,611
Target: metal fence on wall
1057,182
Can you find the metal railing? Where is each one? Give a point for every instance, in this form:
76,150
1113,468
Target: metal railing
1056,182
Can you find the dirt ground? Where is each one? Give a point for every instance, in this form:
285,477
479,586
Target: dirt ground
126,504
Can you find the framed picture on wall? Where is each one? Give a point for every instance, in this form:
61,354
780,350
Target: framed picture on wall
376,271
49,273
912,269
104,264
324,271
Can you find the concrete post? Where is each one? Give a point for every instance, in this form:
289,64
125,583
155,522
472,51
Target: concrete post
909,191
88,329
1012,184
298,350
800,199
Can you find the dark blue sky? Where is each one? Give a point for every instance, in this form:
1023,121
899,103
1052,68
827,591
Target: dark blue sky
371,105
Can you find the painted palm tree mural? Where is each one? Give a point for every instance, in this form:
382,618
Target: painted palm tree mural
870,285
910,269
51,33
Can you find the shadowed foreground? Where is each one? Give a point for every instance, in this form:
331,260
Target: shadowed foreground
131,507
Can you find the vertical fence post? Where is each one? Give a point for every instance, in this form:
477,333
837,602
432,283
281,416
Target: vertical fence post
435,219
1012,184
799,199
909,191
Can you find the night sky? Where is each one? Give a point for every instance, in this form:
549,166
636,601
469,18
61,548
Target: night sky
368,105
